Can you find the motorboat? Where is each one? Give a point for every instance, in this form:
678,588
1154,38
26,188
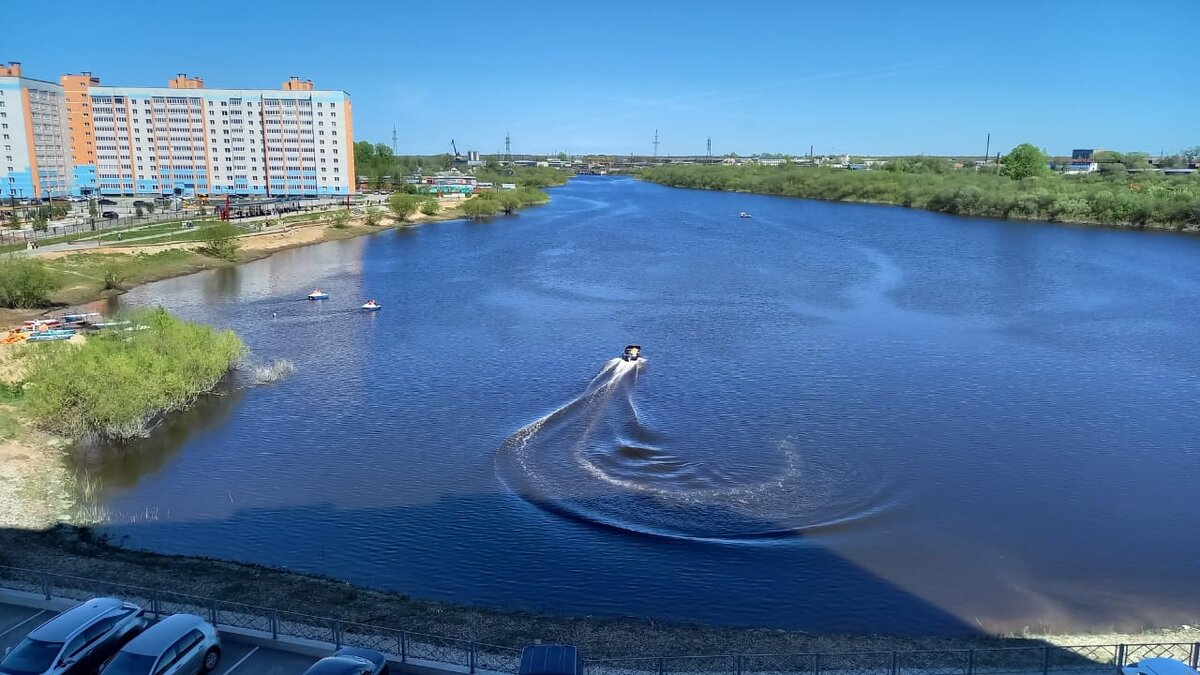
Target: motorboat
632,353
372,306
318,295
743,214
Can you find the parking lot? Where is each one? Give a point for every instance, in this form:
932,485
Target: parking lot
236,656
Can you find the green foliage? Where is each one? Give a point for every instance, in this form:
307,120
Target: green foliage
508,201
139,211
1151,201
372,216
12,221
26,282
404,205
150,208
340,219
429,207
1191,154
118,383
113,279
39,222
93,211
220,240
1024,161
479,207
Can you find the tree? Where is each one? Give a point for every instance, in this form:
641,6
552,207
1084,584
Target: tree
372,216
150,208
92,210
477,207
40,223
1191,154
26,282
139,211
13,221
509,202
1025,161
220,240
429,207
403,205
340,218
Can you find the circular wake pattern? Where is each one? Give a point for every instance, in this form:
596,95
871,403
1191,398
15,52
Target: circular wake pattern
595,459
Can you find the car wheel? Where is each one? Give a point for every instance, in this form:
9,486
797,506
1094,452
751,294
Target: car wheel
384,671
211,657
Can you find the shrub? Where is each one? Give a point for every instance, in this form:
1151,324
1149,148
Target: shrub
480,208
118,384
372,217
220,240
404,205
26,282
340,219
429,207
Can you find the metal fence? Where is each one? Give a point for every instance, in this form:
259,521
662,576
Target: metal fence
471,656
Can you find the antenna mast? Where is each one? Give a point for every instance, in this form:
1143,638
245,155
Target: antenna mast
394,152
656,143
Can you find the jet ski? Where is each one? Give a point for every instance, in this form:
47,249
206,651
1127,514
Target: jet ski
632,353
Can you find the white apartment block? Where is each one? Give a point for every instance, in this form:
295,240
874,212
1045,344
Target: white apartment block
188,140
35,149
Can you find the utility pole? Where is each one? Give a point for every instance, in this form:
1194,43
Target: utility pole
987,151
656,144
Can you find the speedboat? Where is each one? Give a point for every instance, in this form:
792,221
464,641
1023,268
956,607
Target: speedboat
372,306
743,214
632,353
318,295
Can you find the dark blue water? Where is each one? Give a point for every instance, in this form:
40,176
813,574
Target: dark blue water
851,418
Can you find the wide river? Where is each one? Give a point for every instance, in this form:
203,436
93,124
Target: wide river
850,418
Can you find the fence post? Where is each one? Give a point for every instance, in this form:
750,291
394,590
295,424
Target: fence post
895,662
738,665
1045,660
403,647
971,662
662,666
1120,657
274,624
46,589
156,605
337,633
473,656
1195,656
817,664
214,614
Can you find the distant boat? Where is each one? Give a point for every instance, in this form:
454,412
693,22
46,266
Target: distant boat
318,295
632,353
372,306
743,214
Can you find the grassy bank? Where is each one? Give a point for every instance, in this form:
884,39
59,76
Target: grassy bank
1148,200
73,551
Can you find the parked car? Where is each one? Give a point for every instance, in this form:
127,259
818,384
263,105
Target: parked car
76,199
111,215
350,661
1158,666
181,644
76,641
107,202
141,202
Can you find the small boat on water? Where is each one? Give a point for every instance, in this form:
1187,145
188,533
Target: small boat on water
49,335
632,353
743,214
372,306
318,294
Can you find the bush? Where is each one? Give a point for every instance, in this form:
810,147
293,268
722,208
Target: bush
118,384
340,219
477,208
26,283
372,217
220,240
429,207
404,205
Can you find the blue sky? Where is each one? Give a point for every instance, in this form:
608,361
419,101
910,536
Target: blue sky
893,77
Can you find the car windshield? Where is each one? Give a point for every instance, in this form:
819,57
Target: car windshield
30,657
130,664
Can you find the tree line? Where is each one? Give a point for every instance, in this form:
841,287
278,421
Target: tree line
1023,188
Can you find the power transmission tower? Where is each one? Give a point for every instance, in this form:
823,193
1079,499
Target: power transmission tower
708,150
394,152
656,143
507,148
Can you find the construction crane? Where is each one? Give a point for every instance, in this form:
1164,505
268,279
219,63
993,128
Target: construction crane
455,148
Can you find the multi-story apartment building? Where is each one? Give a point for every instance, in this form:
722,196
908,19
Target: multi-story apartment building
35,152
186,139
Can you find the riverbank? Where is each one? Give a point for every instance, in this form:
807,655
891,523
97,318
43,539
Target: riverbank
84,270
1145,201
78,552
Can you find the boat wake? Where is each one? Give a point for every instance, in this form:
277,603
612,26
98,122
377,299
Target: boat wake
597,460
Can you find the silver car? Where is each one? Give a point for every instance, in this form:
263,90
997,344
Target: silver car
76,641
181,644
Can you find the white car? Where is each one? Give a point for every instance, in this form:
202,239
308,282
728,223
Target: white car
181,644
76,641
